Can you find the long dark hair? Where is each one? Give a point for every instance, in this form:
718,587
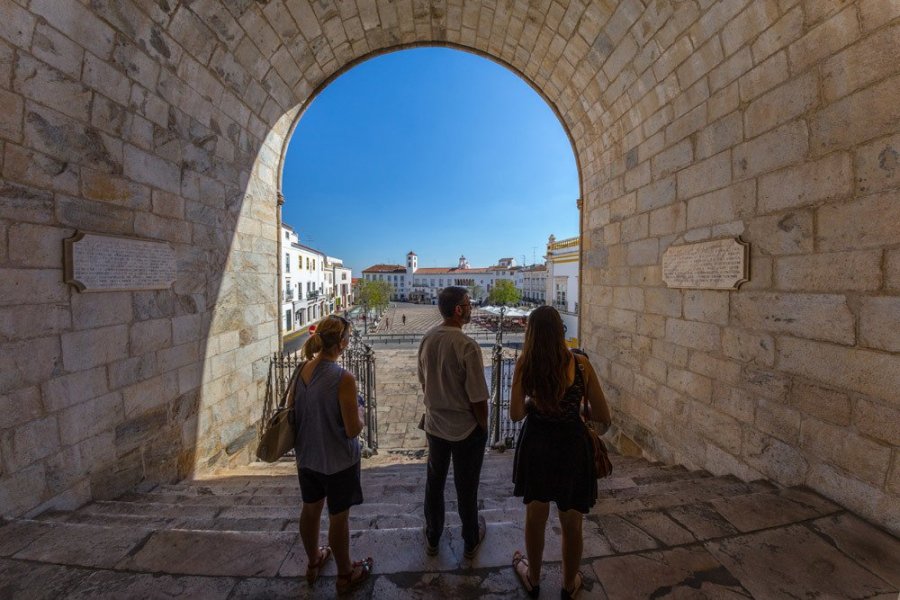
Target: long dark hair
544,359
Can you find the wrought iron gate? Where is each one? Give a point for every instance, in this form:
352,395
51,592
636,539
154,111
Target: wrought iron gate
503,431
359,359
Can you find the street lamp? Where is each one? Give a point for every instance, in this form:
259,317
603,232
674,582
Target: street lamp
365,317
500,331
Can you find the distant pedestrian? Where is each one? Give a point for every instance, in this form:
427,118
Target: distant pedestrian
387,323
451,372
403,318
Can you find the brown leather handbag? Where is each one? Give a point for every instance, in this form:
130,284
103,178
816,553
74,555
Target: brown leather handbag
602,465
280,432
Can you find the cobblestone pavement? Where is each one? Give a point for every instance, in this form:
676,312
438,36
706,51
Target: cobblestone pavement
400,398
419,319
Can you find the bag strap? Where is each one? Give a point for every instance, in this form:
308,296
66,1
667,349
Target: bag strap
586,411
288,395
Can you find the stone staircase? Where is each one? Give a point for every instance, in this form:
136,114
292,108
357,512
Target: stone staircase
657,532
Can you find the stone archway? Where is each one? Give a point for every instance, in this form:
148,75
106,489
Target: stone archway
691,120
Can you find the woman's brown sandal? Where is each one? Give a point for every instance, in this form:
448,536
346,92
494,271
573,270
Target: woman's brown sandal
312,570
579,583
533,590
361,569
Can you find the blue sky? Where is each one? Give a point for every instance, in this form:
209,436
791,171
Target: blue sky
433,150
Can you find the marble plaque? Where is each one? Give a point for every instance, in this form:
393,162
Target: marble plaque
715,265
97,262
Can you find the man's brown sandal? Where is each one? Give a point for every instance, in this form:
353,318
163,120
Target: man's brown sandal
312,570
359,572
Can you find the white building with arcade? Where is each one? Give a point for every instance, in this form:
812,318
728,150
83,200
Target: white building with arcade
413,283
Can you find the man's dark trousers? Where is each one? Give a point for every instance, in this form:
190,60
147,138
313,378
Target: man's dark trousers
467,455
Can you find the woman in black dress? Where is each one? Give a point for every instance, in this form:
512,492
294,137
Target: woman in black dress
554,456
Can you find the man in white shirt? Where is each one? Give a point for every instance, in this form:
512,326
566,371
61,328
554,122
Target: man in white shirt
451,371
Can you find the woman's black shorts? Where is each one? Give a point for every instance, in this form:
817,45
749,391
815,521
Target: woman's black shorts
342,489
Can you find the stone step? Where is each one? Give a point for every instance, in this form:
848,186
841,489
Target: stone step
498,470
259,501
362,518
239,553
145,547
652,522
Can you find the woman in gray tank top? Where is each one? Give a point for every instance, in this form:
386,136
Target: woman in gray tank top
328,422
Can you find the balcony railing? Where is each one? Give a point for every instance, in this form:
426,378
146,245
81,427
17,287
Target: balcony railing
561,244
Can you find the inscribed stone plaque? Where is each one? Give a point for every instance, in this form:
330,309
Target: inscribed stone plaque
716,265
102,263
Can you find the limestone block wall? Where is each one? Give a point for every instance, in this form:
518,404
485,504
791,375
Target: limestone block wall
108,124
775,120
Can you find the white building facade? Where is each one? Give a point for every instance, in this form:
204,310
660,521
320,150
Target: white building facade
412,283
342,287
533,284
314,284
562,280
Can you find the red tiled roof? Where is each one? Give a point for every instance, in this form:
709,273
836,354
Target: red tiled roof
451,271
385,269
435,270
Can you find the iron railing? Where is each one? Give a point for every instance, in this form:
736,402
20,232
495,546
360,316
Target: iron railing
503,431
416,337
359,359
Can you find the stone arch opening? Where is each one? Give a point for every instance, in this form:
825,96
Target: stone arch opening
573,204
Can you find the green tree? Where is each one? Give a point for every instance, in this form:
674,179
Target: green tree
504,293
476,292
374,294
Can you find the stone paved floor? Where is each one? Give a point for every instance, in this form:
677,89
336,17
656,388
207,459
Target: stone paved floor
656,532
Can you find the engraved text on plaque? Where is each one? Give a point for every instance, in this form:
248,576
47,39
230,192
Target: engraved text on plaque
716,265
101,263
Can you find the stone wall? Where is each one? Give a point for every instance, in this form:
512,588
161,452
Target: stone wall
775,120
108,124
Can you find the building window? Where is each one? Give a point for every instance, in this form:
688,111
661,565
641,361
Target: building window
287,263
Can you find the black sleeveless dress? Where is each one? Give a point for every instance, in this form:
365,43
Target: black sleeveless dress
554,459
